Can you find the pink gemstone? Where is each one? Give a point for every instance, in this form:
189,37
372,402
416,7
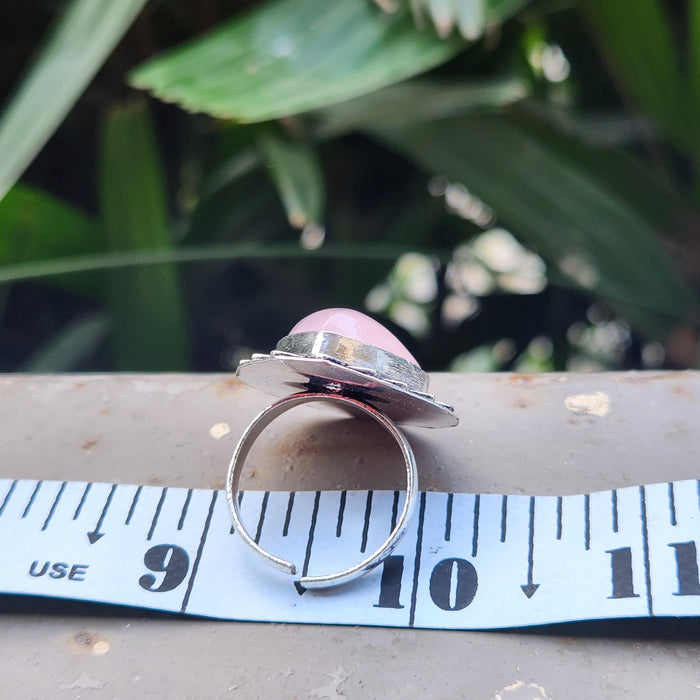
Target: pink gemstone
355,325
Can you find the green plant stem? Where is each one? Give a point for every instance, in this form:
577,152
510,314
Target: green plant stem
200,254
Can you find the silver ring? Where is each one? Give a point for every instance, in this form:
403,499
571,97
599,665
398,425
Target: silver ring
344,357
260,422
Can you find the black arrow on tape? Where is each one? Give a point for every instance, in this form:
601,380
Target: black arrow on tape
96,534
529,588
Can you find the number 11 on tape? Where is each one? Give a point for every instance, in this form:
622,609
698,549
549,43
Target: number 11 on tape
468,562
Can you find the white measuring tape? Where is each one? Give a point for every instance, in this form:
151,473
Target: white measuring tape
468,561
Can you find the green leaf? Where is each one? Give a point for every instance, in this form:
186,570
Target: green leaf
297,174
418,100
144,259
77,46
556,194
635,37
76,342
480,359
35,226
292,56
233,172
145,303
256,216
694,52
647,192
234,155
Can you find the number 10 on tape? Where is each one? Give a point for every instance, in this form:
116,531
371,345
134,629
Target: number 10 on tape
468,562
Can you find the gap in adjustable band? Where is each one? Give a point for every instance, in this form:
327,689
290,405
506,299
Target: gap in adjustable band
365,560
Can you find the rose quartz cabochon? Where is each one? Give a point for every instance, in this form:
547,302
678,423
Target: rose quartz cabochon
355,325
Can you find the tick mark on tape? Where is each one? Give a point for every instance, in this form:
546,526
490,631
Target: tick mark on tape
595,404
394,511
437,573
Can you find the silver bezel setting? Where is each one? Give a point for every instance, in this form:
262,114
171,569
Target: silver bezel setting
335,364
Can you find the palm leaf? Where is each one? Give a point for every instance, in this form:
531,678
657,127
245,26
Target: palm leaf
291,56
146,304
77,46
557,195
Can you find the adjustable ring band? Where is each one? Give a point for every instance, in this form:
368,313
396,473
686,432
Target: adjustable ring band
261,421
345,358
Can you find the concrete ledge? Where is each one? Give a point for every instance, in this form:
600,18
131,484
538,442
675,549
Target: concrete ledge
534,434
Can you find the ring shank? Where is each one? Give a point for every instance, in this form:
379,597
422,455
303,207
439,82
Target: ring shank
245,444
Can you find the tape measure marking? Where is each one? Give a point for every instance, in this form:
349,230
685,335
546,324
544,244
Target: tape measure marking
645,543
479,561
200,549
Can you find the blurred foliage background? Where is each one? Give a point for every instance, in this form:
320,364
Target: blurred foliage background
507,184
